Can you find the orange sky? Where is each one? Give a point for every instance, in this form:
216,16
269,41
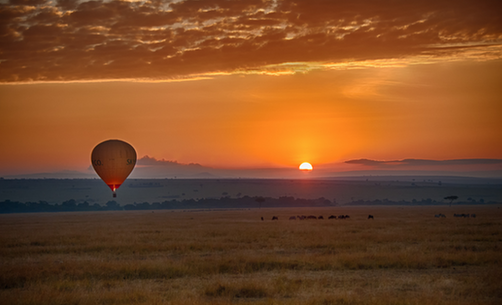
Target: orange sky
249,84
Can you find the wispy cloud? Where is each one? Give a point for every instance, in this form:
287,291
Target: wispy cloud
70,40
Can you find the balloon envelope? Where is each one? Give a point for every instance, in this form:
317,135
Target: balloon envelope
113,161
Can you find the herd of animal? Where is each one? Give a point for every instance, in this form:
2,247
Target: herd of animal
455,215
303,217
464,215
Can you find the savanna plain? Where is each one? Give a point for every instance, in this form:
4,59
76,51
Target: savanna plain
404,255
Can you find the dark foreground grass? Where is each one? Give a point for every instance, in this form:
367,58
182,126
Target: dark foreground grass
404,256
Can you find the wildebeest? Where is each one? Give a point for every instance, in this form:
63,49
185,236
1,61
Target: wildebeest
320,217
332,217
311,217
461,215
292,218
440,215
262,218
275,218
370,216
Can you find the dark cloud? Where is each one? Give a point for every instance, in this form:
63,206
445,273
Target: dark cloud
149,161
67,4
152,168
85,40
27,2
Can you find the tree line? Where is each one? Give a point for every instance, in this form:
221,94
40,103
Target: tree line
72,205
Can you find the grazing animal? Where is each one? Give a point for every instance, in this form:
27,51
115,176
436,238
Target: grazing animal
311,217
341,216
320,217
275,218
332,217
262,219
473,215
370,217
292,218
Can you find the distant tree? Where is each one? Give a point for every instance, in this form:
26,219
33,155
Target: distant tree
451,198
69,205
113,205
96,207
84,206
143,206
260,200
129,206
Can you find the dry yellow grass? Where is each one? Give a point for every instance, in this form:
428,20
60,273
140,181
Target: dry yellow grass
404,256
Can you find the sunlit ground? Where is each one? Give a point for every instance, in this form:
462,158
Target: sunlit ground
404,255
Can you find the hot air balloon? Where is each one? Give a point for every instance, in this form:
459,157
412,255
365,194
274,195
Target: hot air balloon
113,161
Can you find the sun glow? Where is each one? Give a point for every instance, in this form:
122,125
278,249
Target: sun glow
305,166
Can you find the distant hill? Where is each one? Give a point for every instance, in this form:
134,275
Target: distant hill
151,168
66,174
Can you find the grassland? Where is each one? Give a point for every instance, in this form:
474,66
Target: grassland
404,256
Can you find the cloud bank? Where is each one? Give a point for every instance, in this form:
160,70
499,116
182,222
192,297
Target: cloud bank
421,162
469,167
70,40
147,161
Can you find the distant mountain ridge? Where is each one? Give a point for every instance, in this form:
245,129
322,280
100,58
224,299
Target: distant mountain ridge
65,174
426,162
151,168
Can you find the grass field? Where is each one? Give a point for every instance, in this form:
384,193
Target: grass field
403,256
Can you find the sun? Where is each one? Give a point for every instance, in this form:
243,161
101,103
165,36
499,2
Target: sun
305,166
